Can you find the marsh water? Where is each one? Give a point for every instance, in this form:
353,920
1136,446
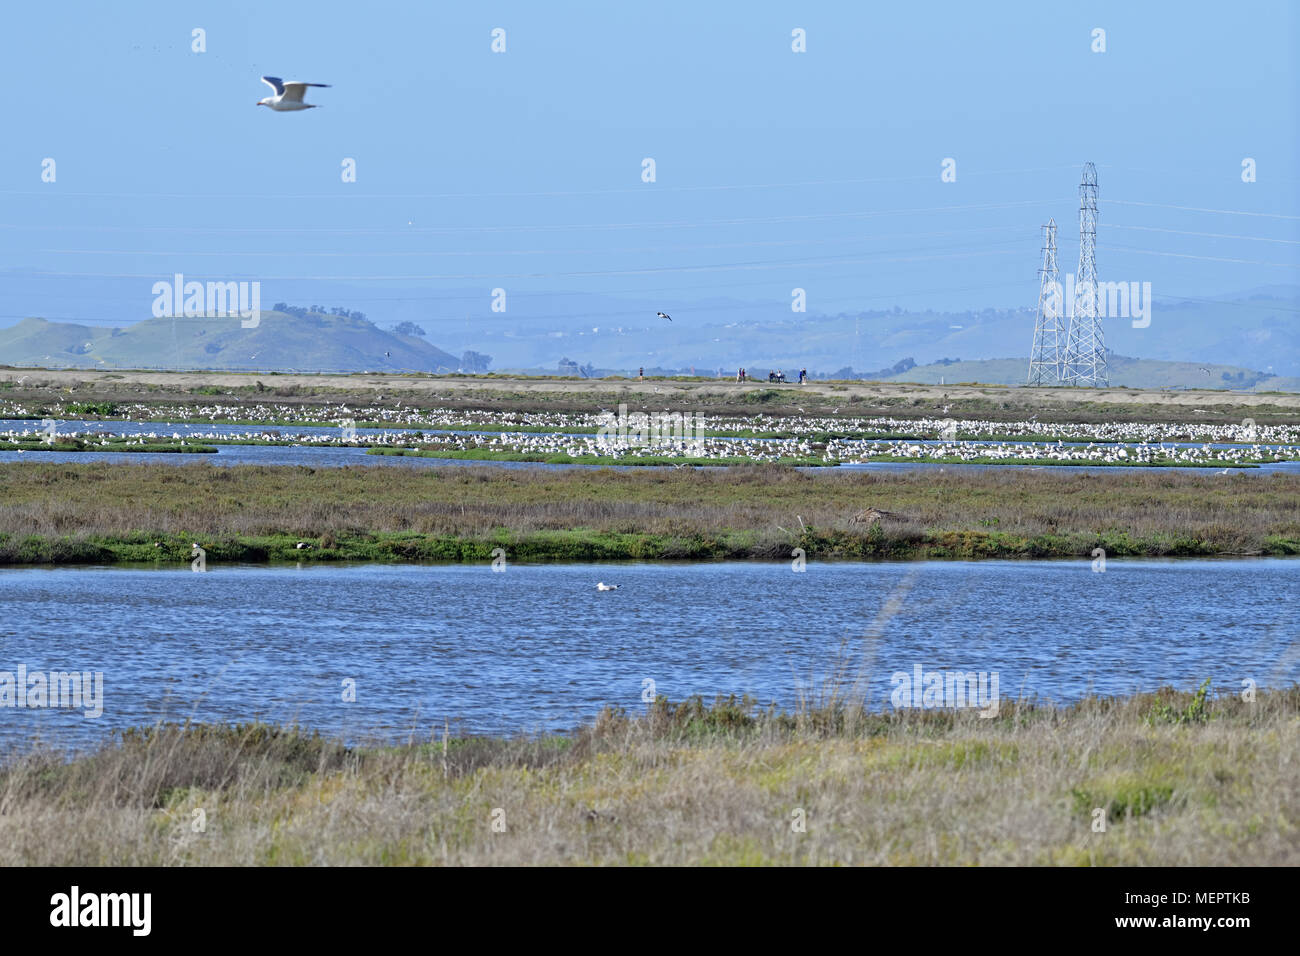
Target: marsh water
539,648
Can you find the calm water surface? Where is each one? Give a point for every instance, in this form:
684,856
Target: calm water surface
539,648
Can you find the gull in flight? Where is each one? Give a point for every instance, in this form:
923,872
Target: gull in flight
664,315
288,96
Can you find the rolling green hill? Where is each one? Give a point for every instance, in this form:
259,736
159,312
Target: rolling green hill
311,342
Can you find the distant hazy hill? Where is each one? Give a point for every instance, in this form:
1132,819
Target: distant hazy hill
1257,330
1251,337
311,342
1134,373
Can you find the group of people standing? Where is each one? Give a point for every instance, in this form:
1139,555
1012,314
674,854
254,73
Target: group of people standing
743,376
772,376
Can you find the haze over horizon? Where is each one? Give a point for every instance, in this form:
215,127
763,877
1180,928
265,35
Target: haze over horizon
478,170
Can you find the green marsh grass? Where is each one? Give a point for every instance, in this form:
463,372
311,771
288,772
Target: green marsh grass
98,511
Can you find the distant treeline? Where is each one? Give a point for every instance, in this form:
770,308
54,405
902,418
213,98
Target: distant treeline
299,312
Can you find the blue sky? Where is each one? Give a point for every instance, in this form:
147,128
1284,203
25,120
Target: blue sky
522,170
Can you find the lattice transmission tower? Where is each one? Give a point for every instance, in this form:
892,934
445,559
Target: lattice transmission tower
1047,357
1085,350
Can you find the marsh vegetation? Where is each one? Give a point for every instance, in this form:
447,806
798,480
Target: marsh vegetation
1105,781
96,512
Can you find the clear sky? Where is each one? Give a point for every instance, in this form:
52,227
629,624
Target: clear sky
523,169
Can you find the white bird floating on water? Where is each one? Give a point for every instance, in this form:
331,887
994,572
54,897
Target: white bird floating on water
602,586
288,96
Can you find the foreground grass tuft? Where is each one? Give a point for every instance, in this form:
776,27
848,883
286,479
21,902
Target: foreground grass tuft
1096,783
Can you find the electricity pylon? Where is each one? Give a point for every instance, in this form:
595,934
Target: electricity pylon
1085,348
1048,353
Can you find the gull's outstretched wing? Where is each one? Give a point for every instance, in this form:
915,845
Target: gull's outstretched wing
275,83
294,90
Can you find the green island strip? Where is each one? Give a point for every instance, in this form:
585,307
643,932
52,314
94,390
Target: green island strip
588,545
1065,462
875,786
132,512
560,458
115,445
1049,439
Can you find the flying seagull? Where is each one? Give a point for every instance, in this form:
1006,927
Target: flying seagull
664,315
288,96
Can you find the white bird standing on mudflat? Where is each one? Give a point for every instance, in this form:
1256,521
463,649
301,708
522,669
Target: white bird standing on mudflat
288,96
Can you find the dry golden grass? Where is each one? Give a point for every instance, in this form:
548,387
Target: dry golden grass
542,393
694,785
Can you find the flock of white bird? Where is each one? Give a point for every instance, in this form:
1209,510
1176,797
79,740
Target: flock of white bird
864,439
399,416
1046,453
396,415
1113,451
